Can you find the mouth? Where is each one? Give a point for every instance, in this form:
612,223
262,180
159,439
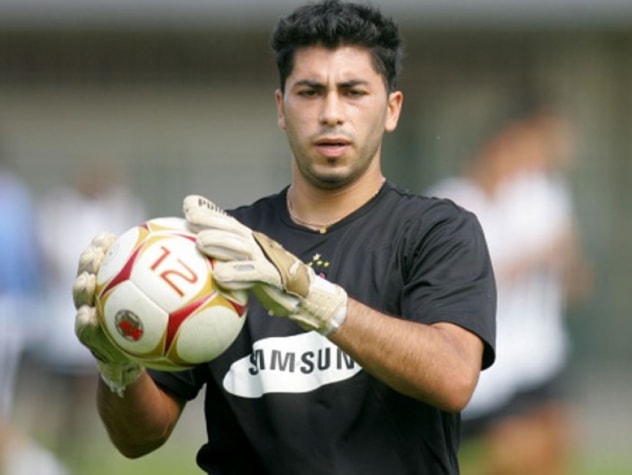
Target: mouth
332,147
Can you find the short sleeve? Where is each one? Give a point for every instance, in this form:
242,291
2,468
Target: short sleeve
184,385
450,276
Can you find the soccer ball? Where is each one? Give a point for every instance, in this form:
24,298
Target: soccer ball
158,302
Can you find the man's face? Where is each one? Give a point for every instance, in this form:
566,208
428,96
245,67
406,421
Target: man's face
335,110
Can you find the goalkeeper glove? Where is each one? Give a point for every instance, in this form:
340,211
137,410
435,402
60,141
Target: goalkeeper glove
116,369
283,284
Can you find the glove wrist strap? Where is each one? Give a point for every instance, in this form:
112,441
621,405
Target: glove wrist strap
325,306
336,322
118,376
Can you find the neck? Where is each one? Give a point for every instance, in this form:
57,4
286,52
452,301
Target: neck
319,209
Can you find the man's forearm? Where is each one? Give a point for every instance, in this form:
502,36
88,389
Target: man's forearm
438,364
141,420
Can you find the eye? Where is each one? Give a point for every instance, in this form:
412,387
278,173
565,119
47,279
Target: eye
352,92
307,93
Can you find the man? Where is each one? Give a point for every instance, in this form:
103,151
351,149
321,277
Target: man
389,323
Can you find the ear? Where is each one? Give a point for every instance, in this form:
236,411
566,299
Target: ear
278,96
394,108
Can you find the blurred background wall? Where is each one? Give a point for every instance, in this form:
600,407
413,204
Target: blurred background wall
180,96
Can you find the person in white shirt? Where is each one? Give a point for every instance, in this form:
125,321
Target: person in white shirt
515,186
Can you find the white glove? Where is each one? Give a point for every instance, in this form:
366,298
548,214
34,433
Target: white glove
283,284
116,369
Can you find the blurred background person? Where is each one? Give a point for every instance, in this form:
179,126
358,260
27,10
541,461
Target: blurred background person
20,286
516,185
97,199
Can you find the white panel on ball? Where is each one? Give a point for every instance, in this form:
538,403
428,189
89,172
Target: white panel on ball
134,322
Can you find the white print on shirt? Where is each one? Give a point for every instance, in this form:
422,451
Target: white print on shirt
294,364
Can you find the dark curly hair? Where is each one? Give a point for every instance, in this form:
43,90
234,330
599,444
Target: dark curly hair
333,23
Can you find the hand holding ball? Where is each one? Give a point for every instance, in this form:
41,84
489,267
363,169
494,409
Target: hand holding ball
158,302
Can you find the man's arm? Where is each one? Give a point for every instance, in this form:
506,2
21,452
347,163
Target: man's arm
438,364
137,414
142,419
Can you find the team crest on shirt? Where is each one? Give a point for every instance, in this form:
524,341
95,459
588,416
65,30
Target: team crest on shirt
319,264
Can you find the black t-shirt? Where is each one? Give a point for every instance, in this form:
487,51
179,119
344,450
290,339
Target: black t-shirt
284,401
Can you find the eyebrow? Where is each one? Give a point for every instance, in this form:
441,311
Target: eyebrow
319,85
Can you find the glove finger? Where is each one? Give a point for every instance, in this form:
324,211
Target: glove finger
91,335
234,285
243,274
196,201
91,258
86,324
201,214
224,245
277,302
104,240
88,331
225,275
200,219
83,289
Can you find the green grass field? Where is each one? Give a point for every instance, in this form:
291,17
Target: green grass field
178,457
87,450
91,453
76,435
583,464
171,459
95,455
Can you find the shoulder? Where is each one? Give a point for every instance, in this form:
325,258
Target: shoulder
421,227
425,212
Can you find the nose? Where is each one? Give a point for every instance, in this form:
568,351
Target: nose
332,111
